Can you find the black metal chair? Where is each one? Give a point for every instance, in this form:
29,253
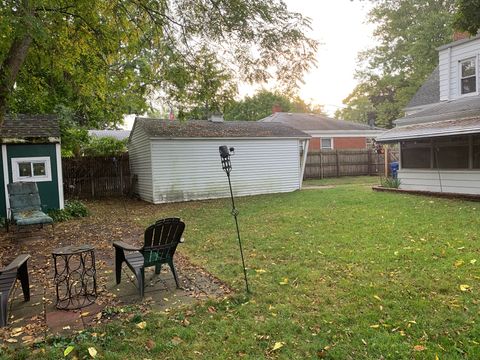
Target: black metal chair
17,269
160,243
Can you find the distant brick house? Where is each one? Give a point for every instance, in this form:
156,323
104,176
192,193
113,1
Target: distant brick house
328,133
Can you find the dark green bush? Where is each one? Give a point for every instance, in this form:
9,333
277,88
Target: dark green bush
73,209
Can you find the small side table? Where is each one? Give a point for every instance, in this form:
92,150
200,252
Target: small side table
75,276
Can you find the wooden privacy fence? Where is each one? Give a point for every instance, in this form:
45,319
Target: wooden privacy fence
94,177
335,163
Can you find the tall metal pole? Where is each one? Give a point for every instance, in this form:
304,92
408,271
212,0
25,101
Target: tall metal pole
226,165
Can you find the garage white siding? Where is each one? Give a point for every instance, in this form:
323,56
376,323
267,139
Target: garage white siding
452,181
140,155
190,169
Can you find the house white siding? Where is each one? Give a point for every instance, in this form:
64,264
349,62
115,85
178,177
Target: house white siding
140,156
448,181
449,59
190,169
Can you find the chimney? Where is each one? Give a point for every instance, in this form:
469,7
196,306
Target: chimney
276,108
460,35
217,118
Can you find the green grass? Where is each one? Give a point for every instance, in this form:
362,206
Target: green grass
370,276
346,180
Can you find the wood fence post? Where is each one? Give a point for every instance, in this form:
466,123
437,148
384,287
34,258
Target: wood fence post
321,164
369,162
338,163
92,182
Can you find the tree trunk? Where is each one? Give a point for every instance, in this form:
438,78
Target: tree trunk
10,68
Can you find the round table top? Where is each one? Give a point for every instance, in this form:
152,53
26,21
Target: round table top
72,249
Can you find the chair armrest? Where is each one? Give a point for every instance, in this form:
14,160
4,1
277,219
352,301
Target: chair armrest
16,263
124,246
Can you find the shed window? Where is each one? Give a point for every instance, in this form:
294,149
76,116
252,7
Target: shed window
326,143
468,76
31,169
416,154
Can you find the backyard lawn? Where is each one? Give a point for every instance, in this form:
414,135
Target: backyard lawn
341,273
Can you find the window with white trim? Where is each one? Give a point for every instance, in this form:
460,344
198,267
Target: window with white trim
326,143
31,169
468,76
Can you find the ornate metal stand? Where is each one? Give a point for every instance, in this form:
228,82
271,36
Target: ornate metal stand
75,276
227,167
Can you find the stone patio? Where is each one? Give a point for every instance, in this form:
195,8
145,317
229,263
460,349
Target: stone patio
39,317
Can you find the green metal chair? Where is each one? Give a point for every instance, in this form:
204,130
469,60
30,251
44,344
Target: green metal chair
17,269
25,205
160,243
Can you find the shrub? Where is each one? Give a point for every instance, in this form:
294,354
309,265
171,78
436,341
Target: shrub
73,209
392,183
76,208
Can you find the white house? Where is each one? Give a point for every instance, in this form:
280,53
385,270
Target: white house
179,161
440,134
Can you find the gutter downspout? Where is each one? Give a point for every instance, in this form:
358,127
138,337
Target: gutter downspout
304,161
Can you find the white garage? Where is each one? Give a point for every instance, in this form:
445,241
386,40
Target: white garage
179,160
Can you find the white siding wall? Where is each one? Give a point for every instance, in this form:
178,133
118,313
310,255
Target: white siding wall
191,169
458,53
139,150
453,181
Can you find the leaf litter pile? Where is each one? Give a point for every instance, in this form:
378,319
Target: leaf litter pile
109,221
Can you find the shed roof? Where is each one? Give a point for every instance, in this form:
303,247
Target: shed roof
208,129
429,92
21,128
310,122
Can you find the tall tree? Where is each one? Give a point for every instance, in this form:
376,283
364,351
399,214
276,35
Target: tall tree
407,33
260,105
467,16
103,58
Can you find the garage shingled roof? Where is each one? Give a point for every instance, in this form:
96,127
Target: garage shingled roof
209,129
21,128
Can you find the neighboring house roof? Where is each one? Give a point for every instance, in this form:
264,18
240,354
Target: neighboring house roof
447,110
116,134
21,128
207,129
432,129
429,92
316,123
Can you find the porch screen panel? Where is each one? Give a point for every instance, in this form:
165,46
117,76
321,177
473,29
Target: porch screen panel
451,152
416,154
476,151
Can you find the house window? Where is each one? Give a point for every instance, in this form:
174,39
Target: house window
31,169
468,76
326,144
451,152
416,154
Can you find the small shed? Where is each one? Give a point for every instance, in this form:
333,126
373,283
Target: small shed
31,153
179,161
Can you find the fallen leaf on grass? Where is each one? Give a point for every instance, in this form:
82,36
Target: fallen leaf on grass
284,281
419,348
458,263
278,345
150,344
473,261
176,340
68,350
375,326
93,352
260,271
11,340
86,313
212,310
464,287
377,297
142,325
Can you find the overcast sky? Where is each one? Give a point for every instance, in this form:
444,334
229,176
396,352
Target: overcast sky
340,26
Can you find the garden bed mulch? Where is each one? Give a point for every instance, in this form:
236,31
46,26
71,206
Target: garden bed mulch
110,221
